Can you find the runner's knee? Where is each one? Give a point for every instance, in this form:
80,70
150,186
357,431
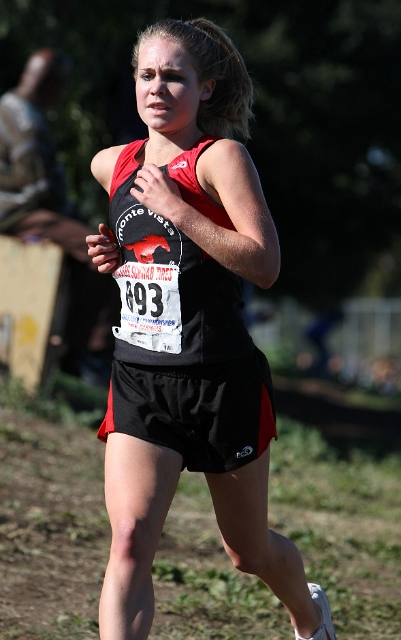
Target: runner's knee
130,541
249,560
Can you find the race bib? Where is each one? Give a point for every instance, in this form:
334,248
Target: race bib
150,306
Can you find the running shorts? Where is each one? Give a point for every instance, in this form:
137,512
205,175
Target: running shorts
218,417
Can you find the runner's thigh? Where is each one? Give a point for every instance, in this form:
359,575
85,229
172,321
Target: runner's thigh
140,482
240,503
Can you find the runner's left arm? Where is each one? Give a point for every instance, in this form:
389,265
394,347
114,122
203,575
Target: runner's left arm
252,250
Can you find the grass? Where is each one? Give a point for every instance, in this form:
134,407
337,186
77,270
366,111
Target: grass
362,484
342,513
66,401
344,517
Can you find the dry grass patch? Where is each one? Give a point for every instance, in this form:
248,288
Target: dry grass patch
54,537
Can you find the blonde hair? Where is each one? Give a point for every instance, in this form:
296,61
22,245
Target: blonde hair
229,110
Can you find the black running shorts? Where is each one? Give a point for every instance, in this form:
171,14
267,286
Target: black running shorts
218,417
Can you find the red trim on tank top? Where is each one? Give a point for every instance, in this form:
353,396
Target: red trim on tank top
182,169
126,164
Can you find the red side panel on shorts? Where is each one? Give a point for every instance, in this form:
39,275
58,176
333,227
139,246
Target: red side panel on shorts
267,423
107,425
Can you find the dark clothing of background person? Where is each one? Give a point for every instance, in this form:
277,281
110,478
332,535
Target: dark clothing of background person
30,175
34,206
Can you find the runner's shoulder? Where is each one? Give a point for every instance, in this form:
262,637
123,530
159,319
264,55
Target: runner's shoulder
224,158
226,147
102,165
224,154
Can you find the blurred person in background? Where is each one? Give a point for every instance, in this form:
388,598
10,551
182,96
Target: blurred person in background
318,333
34,207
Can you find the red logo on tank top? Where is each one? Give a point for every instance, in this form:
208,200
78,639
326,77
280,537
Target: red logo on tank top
144,249
147,237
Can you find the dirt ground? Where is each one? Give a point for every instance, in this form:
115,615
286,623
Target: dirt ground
54,531
54,539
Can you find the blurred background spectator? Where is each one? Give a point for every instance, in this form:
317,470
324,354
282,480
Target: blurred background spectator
34,207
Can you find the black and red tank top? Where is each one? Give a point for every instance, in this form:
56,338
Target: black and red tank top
178,305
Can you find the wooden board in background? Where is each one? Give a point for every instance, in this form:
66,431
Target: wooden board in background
29,281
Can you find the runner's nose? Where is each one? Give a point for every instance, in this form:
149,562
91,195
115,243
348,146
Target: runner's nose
158,87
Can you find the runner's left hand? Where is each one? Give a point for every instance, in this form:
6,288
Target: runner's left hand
159,192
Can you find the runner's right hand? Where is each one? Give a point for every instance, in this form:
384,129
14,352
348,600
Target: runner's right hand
104,250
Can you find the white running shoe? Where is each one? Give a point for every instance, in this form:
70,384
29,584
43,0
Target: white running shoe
326,629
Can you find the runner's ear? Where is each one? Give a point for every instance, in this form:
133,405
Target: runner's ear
207,89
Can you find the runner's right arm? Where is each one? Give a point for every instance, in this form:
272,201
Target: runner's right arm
103,248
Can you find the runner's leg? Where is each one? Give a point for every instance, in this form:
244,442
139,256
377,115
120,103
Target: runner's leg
240,503
140,482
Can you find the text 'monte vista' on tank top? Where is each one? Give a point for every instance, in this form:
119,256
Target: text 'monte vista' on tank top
178,305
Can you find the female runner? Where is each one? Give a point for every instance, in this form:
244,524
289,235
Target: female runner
188,220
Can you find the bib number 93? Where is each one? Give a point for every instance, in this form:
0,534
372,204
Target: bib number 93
145,298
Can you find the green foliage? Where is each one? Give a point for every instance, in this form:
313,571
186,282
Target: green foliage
297,442
328,87
343,516
360,485
345,521
226,591
168,572
66,401
13,396
282,360
237,601
316,121
67,624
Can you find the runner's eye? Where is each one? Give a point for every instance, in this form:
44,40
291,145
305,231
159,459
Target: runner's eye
173,77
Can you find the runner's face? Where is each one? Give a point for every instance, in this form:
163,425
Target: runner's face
167,88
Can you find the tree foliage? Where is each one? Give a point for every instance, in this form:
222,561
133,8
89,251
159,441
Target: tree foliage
326,139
